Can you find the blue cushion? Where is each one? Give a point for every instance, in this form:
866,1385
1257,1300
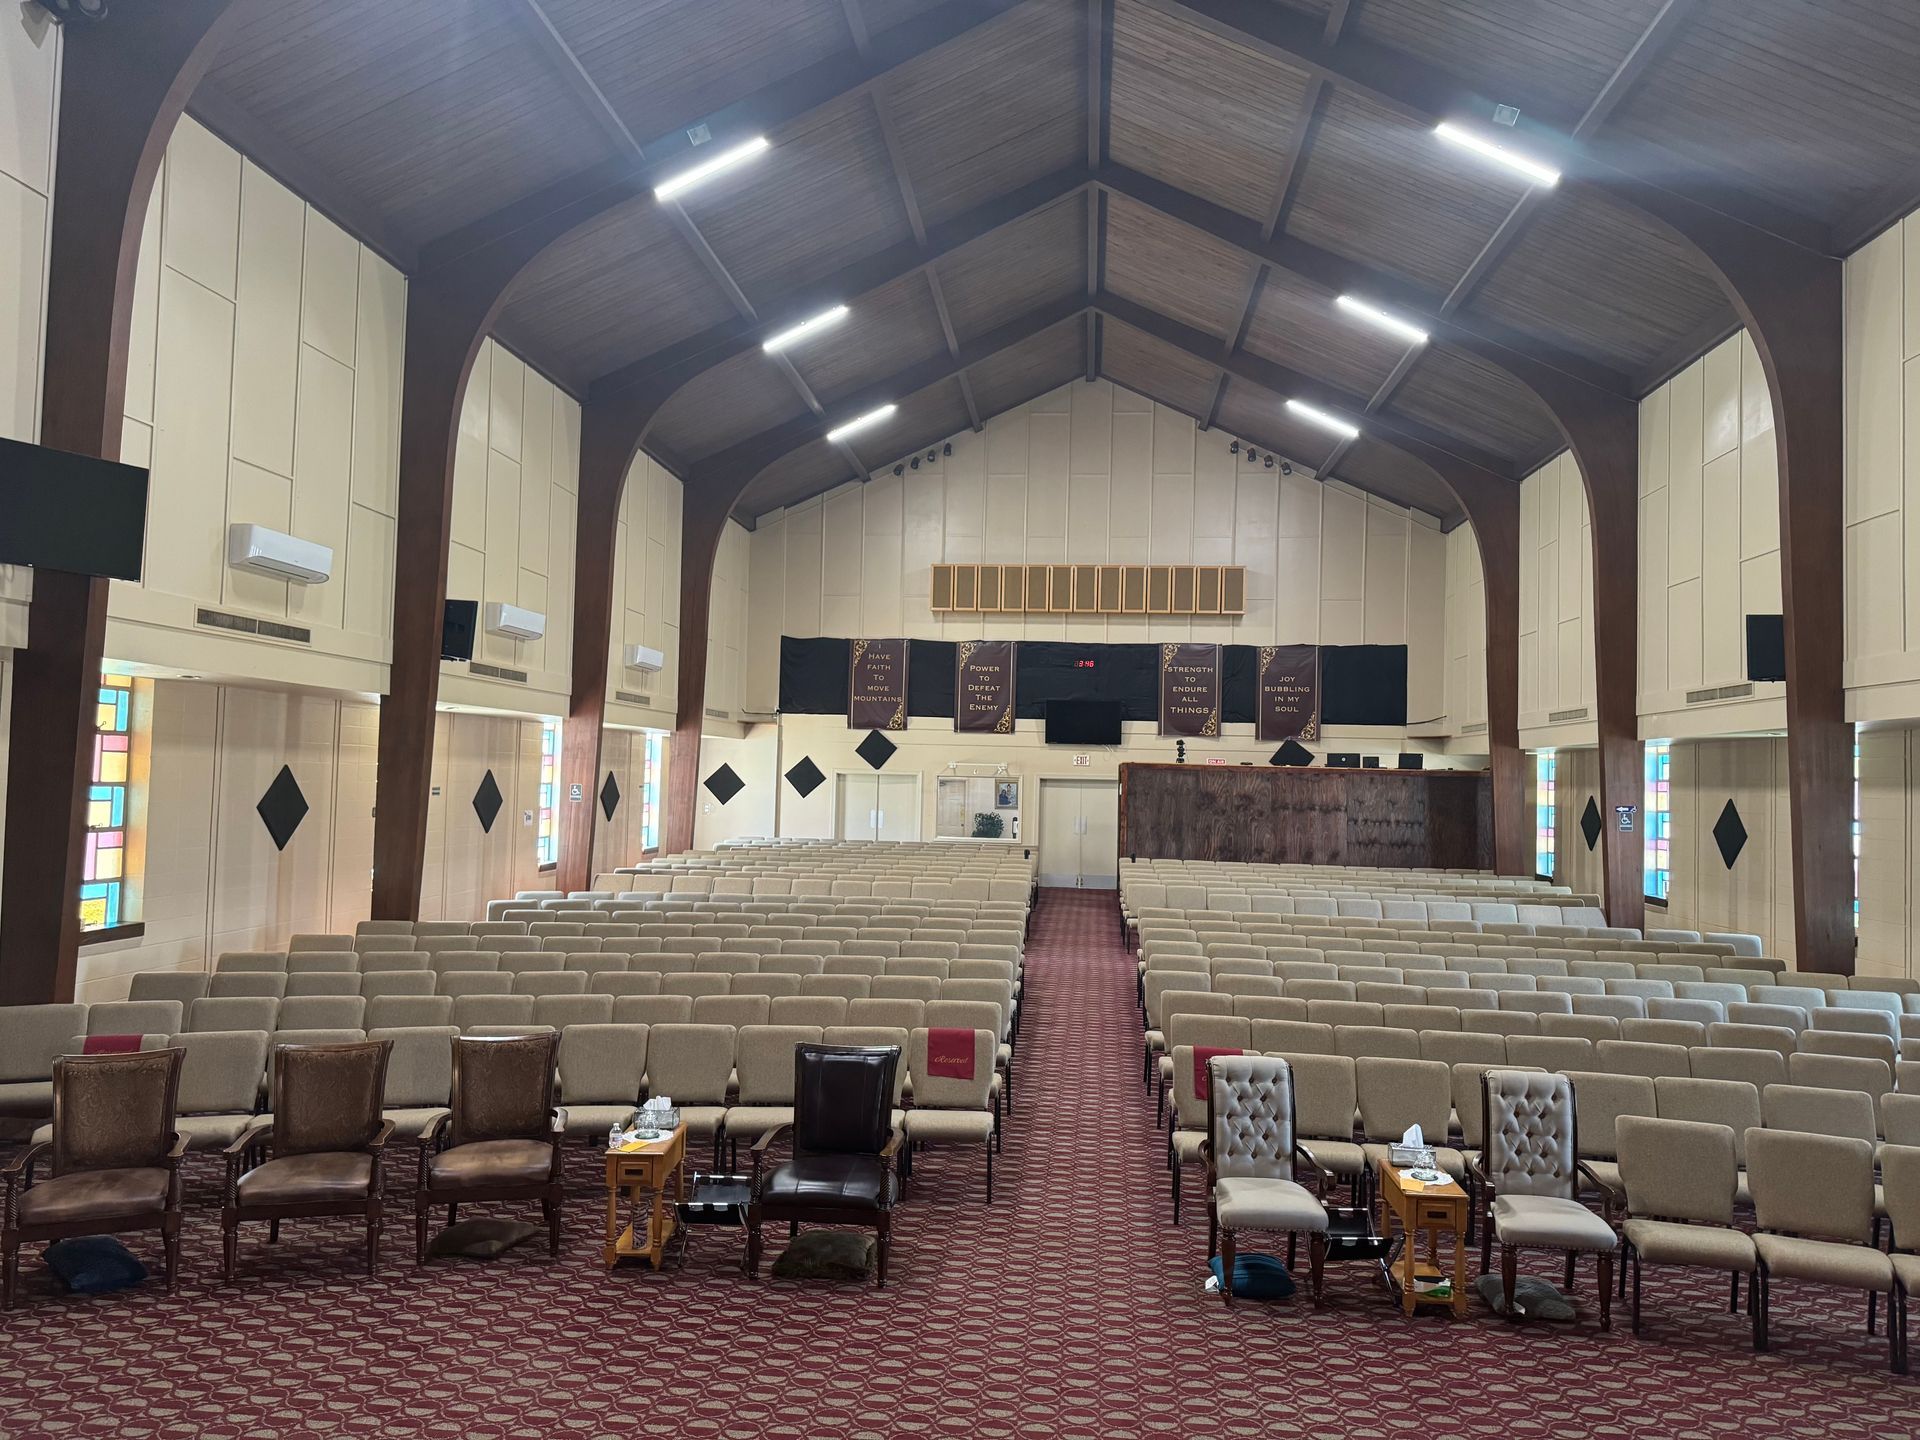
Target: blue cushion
95,1264
1256,1277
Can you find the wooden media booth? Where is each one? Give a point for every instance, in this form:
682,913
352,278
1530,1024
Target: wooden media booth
1412,819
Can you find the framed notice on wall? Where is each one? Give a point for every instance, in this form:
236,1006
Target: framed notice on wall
983,687
1287,692
1190,690
877,685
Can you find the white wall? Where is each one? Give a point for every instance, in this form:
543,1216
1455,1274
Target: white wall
1556,605
1093,472
646,594
516,483
263,385
755,758
1709,542
1883,475
1464,637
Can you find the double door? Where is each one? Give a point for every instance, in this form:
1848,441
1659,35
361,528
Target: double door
1080,834
879,807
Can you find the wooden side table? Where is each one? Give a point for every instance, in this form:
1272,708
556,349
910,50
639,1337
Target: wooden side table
1432,1211
634,1175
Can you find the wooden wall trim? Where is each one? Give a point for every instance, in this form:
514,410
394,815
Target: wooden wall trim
124,84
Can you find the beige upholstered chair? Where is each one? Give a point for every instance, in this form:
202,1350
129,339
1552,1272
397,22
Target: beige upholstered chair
763,1061
601,1067
1813,1216
1680,1178
419,1075
326,1138
1529,1177
1900,1172
952,1073
1250,1152
691,1064
1394,1094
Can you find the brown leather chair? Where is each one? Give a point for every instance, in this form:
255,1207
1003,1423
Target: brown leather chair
326,1138
841,1172
503,1134
116,1159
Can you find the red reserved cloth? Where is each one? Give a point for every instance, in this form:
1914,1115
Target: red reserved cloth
110,1045
950,1053
1201,1055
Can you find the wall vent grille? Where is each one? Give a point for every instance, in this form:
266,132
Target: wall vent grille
1722,692
497,672
252,625
1478,727
1560,717
629,697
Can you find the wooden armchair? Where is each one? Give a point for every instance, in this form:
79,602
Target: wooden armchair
503,1135
844,1145
116,1159
326,1139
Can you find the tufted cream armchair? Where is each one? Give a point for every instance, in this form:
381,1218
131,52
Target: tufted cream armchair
1250,1152
1529,1175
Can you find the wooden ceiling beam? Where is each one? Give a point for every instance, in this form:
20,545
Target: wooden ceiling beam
1428,94
567,66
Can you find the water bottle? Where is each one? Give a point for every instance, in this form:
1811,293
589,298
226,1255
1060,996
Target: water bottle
613,1136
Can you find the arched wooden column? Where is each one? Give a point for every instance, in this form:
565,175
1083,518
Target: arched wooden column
124,84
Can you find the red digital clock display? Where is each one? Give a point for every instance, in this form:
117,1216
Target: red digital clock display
1083,664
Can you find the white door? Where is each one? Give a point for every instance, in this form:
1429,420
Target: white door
1080,834
859,808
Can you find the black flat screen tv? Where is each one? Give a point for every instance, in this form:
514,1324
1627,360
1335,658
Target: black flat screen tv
457,624
71,512
1083,722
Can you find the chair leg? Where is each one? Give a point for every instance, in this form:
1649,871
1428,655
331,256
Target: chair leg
1226,1265
1317,1262
753,1241
453,1215
1509,1276
1570,1259
550,1209
420,1227
989,1150
375,1220
884,1244
1606,1291
170,1243
229,1244
1633,1263
1486,1243
273,1232
9,1272
1757,1302
1897,1304
1213,1229
1174,1159
1293,1249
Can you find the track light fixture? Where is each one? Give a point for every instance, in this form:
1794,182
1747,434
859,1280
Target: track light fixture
806,329
1313,415
900,469
1529,170
914,464
1234,448
1269,462
1285,468
678,185
860,422
947,449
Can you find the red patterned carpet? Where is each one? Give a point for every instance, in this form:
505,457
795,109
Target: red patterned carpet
1070,1308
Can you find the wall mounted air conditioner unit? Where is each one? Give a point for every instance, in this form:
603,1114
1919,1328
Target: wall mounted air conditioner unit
283,557
514,622
643,657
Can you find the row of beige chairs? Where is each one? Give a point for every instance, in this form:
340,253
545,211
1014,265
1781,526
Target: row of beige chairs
1382,939
1299,962
271,973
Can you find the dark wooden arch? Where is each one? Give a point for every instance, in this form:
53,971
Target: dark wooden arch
124,84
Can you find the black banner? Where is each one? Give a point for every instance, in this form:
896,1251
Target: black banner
877,685
983,686
1190,690
1287,694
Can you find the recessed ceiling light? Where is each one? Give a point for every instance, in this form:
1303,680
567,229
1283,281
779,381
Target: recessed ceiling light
861,422
699,175
1534,172
825,320
1374,315
1314,415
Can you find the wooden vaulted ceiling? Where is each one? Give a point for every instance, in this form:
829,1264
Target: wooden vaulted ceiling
1012,193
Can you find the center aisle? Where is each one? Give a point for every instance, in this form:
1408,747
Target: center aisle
1069,1309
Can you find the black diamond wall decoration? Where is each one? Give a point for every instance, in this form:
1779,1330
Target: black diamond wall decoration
723,784
805,777
876,749
487,801
1292,753
609,796
282,808
1730,834
1590,823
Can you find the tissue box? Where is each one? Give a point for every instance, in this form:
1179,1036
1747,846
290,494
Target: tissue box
1410,1157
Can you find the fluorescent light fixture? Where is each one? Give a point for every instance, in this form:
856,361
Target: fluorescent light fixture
825,320
699,175
1466,139
1314,415
861,422
1374,315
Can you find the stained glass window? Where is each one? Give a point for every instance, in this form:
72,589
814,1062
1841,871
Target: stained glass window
548,844
1544,765
104,899
650,779
1659,808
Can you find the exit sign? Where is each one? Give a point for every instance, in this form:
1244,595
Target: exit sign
1083,759
1215,760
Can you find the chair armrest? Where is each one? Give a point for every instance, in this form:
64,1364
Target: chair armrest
430,1132
381,1136
892,1147
760,1145
23,1162
178,1149
1606,1190
253,1135
559,1126
1322,1176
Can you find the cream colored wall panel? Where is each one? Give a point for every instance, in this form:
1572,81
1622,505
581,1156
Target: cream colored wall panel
260,892
144,323
1910,499
880,503
1297,592
880,586
1529,568
466,573
470,455
1723,627
1386,577
1874,627
1656,419
201,238
1910,243
1343,550
186,538
1088,514
368,605
30,53
1215,481
965,486
1683,636
1572,512
1047,466
1130,402
322,481
500,574
136,443
506,387
1683,487
23,283
1006,515
1007,443
536,510
356,766
1549,626
330,289
802,617
840,614
537,444
379,347
563,526
1568,664
566,442
1426,624
1759,458
1874,338
1342,622
1653,592
1171,538
1173,439
267,321
1759,593
1131,513
1299,506
840,551
531,655
1720,417
1092,438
